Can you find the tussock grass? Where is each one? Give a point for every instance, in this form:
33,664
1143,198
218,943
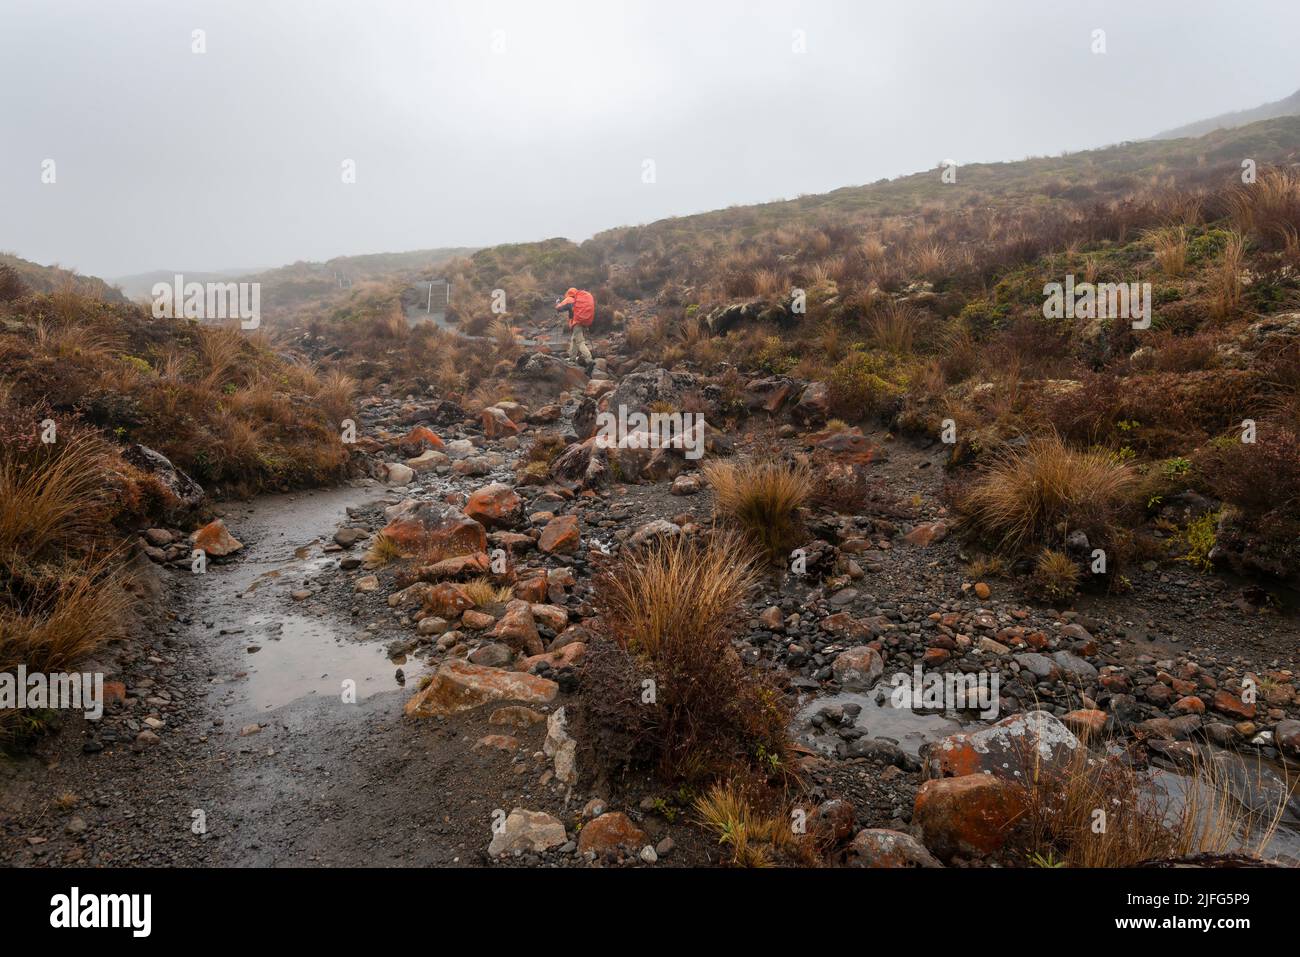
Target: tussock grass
666,594
986,566
893,328
1170,246
1269,208
674,607
334,394
761,497
383,551
1039,493
57,630
1061,821
750,837
1225,279
1056,575
51,501
483,591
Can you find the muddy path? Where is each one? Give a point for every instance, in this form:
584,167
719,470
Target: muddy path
321,781
261,759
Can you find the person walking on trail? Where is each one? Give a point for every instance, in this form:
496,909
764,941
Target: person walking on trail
581,307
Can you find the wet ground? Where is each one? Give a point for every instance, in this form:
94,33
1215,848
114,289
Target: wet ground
267,761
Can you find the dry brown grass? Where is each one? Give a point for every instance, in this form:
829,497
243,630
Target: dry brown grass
1170,246
669,592
383,551
750,837
73,338
220,349
1062,823
334,394
483,592
1225,279
56,631
675,606
931,260
1056,575
503,336
1268,208
893,327
1032,495
61,594
986,566
763,498
51,502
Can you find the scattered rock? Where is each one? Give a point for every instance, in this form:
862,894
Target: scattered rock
527,831
215,540
460,686
879,847
610,831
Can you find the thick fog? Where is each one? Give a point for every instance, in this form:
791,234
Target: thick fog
478,122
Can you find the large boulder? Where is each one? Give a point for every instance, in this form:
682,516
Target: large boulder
497,423
814,404
1015,746
858,668
561,747
970,816
527,831
495,506
187,492
435,529
585,461
610,831
518,629
538,376
560,536
752,310
880,847
460,686
1287,737
641,391
419,440
584,418
215,540
769,395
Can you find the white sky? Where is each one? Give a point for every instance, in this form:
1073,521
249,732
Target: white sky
167,159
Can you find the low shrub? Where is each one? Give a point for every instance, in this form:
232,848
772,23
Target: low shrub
673,607
762,498
1056,575
1037,495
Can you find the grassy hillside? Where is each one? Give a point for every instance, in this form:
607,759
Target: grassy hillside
1288,106
20,275
924,305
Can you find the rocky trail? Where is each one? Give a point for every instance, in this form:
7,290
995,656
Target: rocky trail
301,704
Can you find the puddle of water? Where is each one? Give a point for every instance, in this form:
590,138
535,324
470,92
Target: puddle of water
299,657
1173,790
878,719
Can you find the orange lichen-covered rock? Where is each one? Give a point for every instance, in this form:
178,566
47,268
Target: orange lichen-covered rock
970,816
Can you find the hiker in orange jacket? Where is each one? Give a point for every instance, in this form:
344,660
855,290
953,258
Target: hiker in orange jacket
581,307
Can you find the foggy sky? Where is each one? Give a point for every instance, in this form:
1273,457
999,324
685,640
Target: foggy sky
168,159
